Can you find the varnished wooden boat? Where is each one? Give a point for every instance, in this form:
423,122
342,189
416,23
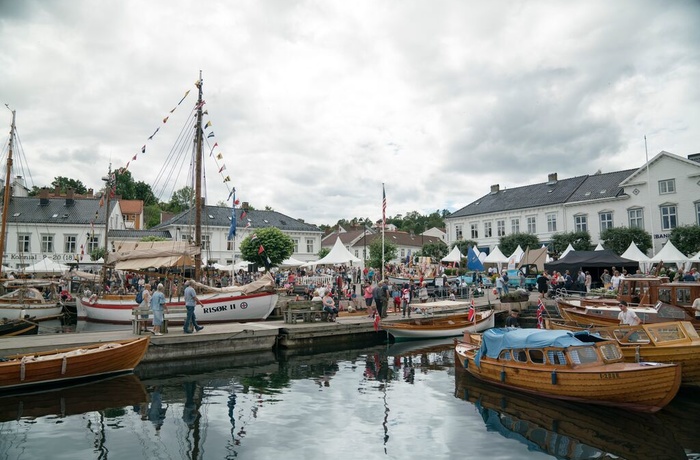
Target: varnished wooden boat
436,327
23,326
562,365
109,393
52,368
567,430
588,312
672,342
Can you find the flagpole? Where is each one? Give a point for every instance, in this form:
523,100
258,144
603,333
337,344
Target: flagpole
651,211
383,225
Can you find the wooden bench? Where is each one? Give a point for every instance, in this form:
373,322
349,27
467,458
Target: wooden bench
139,323
306,310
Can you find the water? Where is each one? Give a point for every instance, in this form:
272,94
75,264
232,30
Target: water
380,402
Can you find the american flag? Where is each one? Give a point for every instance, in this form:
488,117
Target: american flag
541,310
383,206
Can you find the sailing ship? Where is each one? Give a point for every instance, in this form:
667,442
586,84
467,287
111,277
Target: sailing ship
251,302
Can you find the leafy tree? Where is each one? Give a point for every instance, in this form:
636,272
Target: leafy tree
276,246
580,241
64,183
98,253
509,243
618,239
181,200
269,208
437,250
323,253
686,239
124,184
151,215
143,192
375,252
463,245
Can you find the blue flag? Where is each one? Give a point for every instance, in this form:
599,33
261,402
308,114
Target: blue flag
232,229
473,262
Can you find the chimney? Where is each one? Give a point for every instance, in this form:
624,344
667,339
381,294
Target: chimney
70,197
90,193
44,197
495,188
57,191
552,179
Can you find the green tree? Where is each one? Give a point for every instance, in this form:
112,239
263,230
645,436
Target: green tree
686,239
143,192
64,183
509,243
375,252
276,246
580,241
124,184
181,200
98,253
323,253
618,239
437,250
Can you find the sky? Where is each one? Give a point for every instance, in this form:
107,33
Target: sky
315,104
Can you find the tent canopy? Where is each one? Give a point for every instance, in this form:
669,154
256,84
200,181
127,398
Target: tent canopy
139,255
599,247
338,255
453,256
495,257
568,249
670,254
576,260
47,265
536,257
291,262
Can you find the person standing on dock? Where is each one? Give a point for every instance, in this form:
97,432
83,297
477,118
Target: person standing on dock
190,301
157,305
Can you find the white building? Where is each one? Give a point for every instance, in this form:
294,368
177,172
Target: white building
658,198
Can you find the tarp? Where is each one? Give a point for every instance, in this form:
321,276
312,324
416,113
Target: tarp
670,254
576,260
338,255
495,340
453,256
634,253
139,255
536,257
46,265
473,262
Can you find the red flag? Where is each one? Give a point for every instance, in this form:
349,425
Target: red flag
472,314
261,249
376,322
541,310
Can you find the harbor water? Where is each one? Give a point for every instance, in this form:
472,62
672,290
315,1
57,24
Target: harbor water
398,401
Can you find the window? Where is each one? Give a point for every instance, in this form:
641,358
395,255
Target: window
357,253
185,237
520,356
69,244
206,242
683,296
532,224
310,245
229,245
636,217
552,222
668,217
581,223
475,231
488,232
24,243
536,356
296,245
697,213
46,243
606,220
403,253
667,186
501,227
515,225
93,242
458,232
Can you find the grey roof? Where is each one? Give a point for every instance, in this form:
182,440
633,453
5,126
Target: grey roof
575,189
220,216
28,210
131,234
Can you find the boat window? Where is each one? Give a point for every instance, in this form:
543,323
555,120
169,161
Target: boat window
666,334
610,351
505,355
638,337
683,296
536,356
668,311
556,357
624,289
665,295
583,355
520,356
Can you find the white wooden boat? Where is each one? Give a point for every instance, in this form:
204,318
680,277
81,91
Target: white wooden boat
436,327
28,301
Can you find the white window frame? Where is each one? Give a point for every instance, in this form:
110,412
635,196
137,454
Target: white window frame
310,245
93,242
458,232
296,245
581,223
531,224
552,222
488,230
697,213
475,231
606,220
501,228
667,186
47,246
669,216
70,244
24,243
515,225
635,217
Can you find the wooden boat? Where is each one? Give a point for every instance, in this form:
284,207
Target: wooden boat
22,326
564,365
593,313
28,301
566,430
435,327
672,342
51,368
109,393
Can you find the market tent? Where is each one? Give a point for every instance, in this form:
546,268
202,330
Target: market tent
568,249
291,262
338,255
669,254
634,253
453,256
594,261
46,265
496,257
599,247
536,257
514,258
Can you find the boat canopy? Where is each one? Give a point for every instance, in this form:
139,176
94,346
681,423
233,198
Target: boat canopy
498,339
139,255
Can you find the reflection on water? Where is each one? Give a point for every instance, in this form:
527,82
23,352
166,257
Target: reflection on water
393,402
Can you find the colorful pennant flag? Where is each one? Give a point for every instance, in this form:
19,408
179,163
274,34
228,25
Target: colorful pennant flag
261,249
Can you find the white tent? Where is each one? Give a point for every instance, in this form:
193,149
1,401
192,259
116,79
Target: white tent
514,258
599,247
291,262
549,259
496,257
338,255
47,266
568,249
634,253
454,256
669,254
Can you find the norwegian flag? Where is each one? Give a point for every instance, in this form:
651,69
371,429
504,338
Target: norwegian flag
541,310
376,322
472,312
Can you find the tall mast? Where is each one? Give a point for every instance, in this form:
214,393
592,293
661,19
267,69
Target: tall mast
198,183
6,197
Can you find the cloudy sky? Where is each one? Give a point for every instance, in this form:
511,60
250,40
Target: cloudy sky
315,104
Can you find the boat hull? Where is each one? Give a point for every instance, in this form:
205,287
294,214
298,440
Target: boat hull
640,387
40,312
215,308
16,327
440,327
72,364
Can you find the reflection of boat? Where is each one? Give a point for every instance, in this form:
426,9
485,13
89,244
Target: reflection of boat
22,326
567,430
566,365
434,327
120,391
414,347
596,313
51,368
673,342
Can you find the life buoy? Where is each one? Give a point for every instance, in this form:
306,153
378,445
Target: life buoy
92,299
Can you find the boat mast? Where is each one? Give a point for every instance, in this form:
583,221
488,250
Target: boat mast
6,196
198,183
108,193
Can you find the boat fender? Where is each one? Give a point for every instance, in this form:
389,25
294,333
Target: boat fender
466,363
554,377
92,299
503,375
